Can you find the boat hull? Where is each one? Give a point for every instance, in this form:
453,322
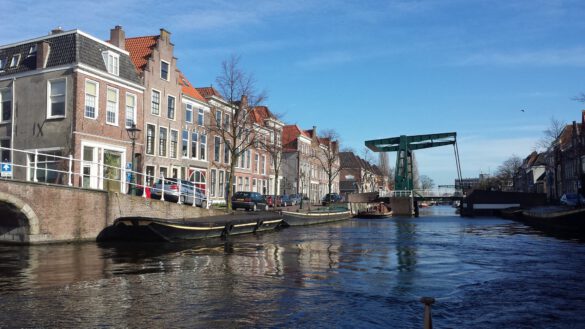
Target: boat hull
312,218
156,229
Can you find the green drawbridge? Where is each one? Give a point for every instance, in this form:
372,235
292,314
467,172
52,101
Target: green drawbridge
404,146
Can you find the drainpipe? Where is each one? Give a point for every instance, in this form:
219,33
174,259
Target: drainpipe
13,123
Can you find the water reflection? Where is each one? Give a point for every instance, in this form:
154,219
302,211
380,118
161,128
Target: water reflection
360,273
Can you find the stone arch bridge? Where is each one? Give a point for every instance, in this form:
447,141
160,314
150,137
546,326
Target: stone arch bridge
33,213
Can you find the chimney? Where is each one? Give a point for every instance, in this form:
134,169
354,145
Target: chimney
244,101
57,30
314,130
165,35
583,118
118,37
43,49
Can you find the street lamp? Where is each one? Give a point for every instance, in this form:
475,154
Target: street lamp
132,132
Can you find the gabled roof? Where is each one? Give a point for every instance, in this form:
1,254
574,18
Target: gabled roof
348,160
260,114
188,88
140,49
292,132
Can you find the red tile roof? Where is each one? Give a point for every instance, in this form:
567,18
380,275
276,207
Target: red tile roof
188,88
208,92
292,132
140,49
261,113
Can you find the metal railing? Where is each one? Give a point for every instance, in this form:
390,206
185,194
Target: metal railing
62,170
432,193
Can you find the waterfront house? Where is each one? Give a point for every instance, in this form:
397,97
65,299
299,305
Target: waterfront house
69,94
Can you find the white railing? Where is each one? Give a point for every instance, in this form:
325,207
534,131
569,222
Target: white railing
60,170
432,193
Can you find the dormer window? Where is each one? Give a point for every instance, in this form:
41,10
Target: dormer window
164,70
15,60
112,61
2,63
32,50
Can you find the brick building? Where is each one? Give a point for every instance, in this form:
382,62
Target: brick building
86,94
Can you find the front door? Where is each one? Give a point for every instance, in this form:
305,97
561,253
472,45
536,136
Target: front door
112,171
90,172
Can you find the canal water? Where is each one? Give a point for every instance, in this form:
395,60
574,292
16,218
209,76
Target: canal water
362,273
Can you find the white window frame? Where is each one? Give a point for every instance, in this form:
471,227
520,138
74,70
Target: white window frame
196,133
112,61
201,114
166,149
49,104
176,145
9,90
217,149
133,110
203,146
154,140
15,60
168,71
117,107
159,101
188,109
174,107
188,143
97,97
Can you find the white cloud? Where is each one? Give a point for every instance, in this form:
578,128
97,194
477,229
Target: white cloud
547,57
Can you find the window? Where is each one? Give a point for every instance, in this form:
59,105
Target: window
218,118
217,146
5,105
185,144
163,172
249,158
112,107
200,117
263,165
130,110
212,190
15,60
226,153
202,147
189,113
150,130
171,107
164,70
194,145
256,163
48,165
240,186
149,175
56,99
243,160
5,154
32,50
247,184
162,142
226,121
174,143
2,63
221,187
112,61
91,92
254,186
155,106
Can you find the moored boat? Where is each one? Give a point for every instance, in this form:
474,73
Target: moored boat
149,228
318,216
378,210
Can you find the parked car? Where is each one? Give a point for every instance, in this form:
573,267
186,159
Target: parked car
295,199
189,192
270,200
572,199
330,198
285,200
249,201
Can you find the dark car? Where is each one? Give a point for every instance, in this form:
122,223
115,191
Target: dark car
572,199
330,198
285,200
295,199
189,192
249,201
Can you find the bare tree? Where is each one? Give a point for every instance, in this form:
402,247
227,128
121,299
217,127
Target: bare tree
551,134
507,170
426,182
328,157
238,88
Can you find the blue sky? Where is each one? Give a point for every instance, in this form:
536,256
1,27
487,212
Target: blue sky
370,69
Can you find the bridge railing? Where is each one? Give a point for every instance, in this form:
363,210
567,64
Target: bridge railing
55,169
428,193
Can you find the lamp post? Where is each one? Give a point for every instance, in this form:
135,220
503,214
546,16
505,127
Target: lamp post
132,132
